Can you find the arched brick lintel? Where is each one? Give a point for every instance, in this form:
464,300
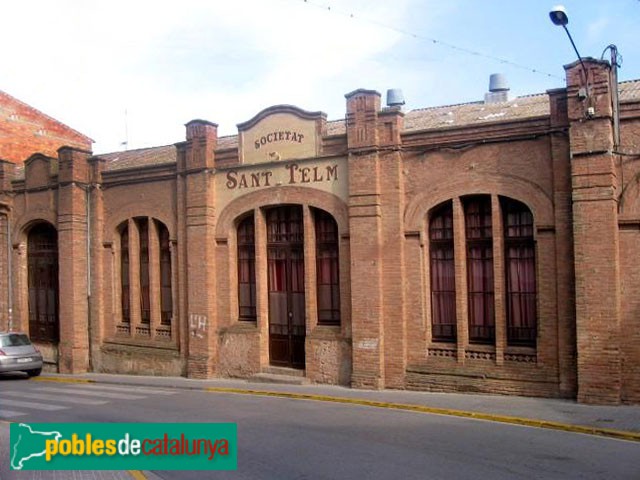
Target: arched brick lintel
532,195
30,218
282,196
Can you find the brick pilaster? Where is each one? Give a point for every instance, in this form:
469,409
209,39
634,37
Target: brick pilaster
262,285
135,313
390,124
201,265
365,218
7,171
4,268
97,253
563,264
154,276
175,307
6,176
595,230
460,260
363,107
73,184
499,290
310,273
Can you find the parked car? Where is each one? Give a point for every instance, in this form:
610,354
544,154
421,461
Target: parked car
18,354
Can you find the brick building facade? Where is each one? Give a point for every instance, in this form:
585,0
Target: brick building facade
478,247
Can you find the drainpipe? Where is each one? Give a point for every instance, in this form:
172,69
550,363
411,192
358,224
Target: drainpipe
9,275
88,207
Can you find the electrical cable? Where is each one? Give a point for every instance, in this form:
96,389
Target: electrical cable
434,41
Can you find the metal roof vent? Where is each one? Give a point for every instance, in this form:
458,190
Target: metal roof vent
498,89
395,98
498,82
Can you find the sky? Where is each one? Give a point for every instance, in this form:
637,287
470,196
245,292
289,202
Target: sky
136,71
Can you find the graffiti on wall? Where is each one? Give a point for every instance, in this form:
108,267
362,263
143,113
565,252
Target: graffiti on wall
197,325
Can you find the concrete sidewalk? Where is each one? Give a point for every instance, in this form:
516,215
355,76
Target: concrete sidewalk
621,421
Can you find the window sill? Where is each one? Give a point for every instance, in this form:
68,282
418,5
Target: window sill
241,326
453,344
162,344
442,350
326,332
528,355
521,350
475,351
481,347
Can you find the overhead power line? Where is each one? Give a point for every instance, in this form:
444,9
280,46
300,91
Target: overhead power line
434,41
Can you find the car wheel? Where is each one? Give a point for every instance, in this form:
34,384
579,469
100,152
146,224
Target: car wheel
35,372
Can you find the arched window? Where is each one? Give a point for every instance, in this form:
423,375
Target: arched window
479,238
146,278
145,302
166,301
442,274
520,273
247,270
124,273
327,269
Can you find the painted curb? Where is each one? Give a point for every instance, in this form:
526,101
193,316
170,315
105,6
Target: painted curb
527,422
63,380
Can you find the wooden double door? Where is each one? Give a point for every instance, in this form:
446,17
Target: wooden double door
285,260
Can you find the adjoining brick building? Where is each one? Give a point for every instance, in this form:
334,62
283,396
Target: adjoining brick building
484,247
25,130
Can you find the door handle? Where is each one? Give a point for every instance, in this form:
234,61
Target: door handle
290,314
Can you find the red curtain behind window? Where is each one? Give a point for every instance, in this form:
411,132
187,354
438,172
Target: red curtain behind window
247,270
327,269
166,302
480,269
124,273
145,304
442,273
520,273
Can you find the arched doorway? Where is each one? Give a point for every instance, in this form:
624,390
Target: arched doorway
285,259
42,254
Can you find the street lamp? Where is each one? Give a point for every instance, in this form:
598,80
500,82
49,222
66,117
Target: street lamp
558,15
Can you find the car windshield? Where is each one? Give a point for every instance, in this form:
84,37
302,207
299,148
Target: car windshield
14,340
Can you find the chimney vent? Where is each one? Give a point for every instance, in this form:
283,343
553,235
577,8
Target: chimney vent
498,89
395,98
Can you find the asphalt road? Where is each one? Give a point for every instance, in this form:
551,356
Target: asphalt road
297,439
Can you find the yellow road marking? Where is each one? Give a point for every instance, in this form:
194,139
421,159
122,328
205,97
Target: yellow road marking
62,380
137,474
603,432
